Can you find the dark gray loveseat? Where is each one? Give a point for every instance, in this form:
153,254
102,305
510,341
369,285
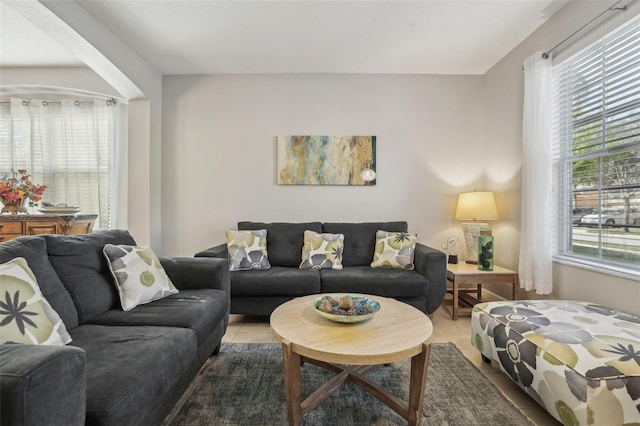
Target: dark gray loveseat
122,368
260,291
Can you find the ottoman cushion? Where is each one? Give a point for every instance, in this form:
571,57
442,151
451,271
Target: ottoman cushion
580,361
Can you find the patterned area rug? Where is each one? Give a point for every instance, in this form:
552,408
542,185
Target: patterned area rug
244,385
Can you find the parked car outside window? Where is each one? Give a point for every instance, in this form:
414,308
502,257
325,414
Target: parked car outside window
611,217
580,212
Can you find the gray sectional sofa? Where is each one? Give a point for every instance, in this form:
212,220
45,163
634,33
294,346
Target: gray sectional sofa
260,291
121,368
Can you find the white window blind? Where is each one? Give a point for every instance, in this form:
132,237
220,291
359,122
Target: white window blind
596,153
67,146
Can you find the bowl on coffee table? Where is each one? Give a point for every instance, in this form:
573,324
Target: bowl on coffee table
359,303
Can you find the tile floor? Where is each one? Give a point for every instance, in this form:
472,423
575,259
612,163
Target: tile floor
248,329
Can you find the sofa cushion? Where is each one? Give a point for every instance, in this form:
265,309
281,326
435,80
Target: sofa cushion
34,251
388,282
360,239
25,315
200,310
394,250
247,249
277,281
80,264
130,368
138,275
322,251
284,240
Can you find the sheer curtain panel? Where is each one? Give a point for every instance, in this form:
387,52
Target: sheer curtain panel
535,266
66,145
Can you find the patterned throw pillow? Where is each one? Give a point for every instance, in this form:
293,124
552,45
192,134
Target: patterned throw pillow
138,274
322,251
247,250
394,250
25,315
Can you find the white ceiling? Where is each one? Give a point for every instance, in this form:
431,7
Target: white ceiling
303,36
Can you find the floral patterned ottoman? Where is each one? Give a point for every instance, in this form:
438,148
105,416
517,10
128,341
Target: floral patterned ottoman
580,361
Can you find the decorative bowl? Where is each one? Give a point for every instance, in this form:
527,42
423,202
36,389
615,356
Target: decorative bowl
348,318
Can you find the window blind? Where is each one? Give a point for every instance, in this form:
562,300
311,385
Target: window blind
596,152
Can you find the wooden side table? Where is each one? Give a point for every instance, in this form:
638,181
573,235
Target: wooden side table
466,273
16,225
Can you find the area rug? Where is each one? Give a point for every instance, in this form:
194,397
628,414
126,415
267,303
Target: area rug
244,385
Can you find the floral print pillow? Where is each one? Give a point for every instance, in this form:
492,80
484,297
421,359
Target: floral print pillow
322,251
247,250
139,276
25,315
394,250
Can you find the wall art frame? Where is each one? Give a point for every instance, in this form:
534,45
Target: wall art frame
326,160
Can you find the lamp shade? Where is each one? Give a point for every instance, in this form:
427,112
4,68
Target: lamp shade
476,205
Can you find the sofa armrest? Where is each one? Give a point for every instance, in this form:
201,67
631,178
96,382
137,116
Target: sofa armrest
188,273
432,264
42,385
215,251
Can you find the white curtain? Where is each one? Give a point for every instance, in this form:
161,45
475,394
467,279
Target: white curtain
69,147
535,266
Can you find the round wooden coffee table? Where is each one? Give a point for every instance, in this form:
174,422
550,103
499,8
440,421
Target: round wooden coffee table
398,331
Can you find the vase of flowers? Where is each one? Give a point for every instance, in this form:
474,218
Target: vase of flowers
16,190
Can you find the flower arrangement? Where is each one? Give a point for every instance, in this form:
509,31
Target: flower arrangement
15,189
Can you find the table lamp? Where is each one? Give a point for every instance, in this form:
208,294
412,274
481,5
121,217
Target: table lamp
474,206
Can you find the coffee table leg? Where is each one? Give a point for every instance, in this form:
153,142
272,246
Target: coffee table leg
419,365
291,363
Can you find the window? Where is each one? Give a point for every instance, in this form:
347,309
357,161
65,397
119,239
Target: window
596,153
67,146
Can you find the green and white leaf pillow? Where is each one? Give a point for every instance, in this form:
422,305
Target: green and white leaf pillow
247,249
394,250
322,251
25,315
138,274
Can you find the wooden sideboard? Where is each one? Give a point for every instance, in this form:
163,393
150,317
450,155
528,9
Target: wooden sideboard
16,225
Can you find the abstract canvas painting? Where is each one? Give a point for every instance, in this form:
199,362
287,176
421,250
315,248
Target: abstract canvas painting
326,160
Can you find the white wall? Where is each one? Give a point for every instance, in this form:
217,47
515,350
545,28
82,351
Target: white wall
503,93
219,151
